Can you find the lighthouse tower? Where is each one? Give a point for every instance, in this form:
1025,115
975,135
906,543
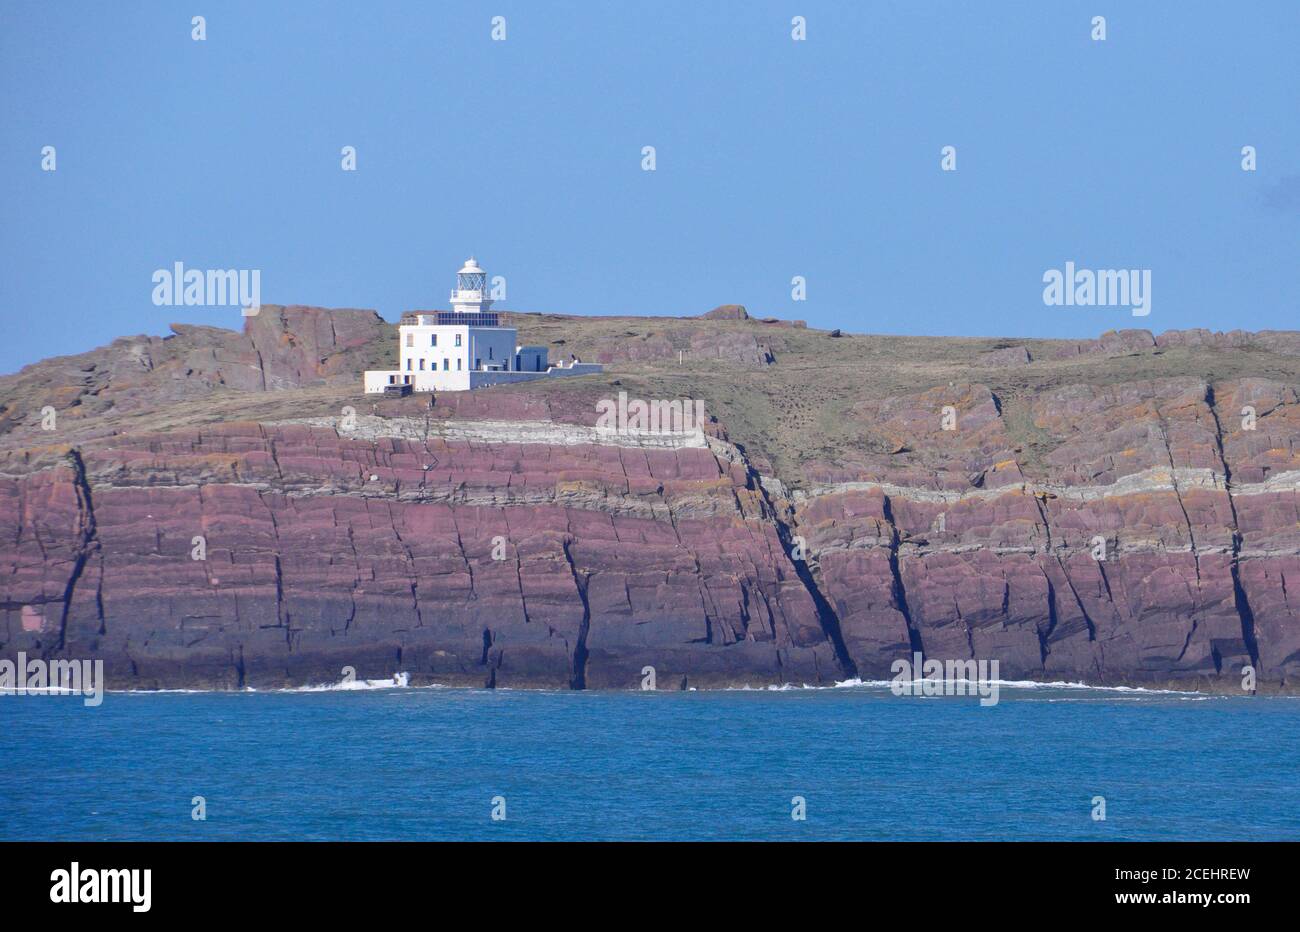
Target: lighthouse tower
470,294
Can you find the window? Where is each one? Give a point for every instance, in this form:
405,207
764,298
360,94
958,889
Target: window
458,364
406,380
433,339
408,363
446,364
478,363
458,339
410,339
392,380
421,363
490,353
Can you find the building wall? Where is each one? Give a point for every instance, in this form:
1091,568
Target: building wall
484,379
493,346
421,348
531,358
446,367
377,379
426,381
479,347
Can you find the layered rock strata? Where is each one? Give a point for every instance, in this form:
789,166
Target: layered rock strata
1140,531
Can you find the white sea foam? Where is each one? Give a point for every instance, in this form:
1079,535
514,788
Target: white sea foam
858,683
1135,692
396,681
1182,697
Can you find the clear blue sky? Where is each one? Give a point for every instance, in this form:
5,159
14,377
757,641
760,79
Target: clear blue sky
775,158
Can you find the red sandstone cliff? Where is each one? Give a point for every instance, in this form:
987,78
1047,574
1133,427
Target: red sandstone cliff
825,526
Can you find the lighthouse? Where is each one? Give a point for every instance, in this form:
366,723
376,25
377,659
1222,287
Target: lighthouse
463,348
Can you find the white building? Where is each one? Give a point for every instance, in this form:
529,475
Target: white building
465,347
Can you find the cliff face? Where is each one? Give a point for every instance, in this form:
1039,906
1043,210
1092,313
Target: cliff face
235,513
1155,546
455,553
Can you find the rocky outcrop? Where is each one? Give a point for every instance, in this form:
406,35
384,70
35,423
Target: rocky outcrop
1130,342
279,348
1110,343
1286,342
1006,356
726,312
1131,530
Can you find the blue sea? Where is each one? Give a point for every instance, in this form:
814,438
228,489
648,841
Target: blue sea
427,764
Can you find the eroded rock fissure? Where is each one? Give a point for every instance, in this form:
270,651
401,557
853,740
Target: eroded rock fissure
579,673
898,587
1238,590
87,544
827,617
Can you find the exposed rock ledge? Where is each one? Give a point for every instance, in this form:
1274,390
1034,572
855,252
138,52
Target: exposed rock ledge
1146,481
547,433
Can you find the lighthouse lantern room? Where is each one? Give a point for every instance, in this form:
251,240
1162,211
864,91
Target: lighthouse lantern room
470,294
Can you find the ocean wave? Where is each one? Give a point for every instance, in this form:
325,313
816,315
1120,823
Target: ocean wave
396,681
